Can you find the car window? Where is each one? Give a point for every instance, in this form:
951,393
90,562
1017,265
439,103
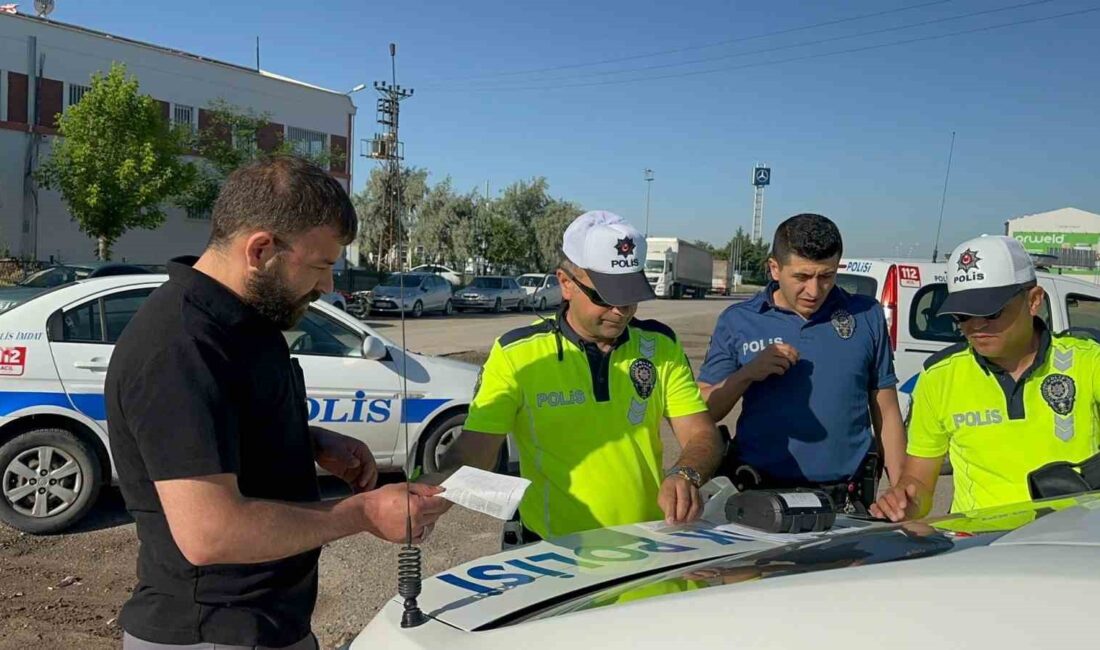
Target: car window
858,284
83,324
1083,311
53,277
530,281
87,323
119,308
487,283
512,284
320,335
553,281
924,324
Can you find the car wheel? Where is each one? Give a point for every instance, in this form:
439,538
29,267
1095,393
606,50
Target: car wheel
418,309
435,443
448,308
542,304
498,306
49,479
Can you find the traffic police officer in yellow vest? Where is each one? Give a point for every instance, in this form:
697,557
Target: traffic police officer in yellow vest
585,392
1010,399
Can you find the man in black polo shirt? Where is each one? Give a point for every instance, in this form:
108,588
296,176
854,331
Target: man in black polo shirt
210,434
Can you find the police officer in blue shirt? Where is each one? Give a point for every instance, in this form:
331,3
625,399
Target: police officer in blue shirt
813,368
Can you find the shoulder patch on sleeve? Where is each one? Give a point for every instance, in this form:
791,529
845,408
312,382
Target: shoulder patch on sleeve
521,333
945,353
653,326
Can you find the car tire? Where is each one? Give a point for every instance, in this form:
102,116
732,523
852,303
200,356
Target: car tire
418,309
542,304
498,306
23,453
446,432
448,308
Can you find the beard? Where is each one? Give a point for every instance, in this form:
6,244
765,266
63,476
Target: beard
269,294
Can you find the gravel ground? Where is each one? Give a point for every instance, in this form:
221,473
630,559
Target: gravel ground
64,591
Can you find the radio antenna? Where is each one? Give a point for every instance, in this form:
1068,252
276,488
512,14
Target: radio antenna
388,149
943,199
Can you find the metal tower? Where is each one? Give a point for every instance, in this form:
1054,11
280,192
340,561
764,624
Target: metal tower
761,178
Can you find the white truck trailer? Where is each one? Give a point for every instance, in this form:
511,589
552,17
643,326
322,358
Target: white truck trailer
677,268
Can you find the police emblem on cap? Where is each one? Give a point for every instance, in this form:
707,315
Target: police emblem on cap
968,260
644,375
1059,391
843,323
625,246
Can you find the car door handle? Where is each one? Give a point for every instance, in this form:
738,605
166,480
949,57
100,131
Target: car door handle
90,365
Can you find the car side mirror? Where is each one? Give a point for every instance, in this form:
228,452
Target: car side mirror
374,349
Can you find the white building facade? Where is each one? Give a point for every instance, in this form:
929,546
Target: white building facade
46,66
1069,237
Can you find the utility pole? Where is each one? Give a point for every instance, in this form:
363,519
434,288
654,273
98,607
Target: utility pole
388,149
648,174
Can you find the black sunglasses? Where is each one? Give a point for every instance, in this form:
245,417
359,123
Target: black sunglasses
592,294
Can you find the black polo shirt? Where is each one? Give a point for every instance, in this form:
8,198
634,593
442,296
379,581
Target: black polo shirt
200,383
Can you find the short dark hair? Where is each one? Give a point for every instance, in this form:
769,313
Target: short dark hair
807,235
284,194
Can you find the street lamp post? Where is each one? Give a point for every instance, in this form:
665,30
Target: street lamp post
648,182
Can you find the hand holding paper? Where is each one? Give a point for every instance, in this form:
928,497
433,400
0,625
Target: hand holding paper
492,494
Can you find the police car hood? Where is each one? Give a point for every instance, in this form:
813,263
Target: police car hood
616,566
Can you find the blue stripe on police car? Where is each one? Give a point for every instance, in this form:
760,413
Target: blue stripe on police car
332,409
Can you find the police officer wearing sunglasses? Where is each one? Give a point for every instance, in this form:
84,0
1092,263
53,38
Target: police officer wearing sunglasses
1010,399
585,392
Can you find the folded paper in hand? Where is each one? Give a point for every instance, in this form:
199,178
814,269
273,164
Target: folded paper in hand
496,495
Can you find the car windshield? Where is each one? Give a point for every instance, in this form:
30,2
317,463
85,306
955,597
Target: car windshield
487,283
531,281
55,276
655,266
410,280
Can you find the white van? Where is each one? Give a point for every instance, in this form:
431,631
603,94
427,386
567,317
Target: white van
912,291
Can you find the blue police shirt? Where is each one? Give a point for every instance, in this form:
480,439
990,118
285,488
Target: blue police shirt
812,423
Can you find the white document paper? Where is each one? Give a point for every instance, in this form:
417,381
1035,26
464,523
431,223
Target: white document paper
492,494
800,499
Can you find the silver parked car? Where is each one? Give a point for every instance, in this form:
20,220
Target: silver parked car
422,292
491,293
543,290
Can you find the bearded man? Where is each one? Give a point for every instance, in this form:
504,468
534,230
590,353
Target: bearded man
209,428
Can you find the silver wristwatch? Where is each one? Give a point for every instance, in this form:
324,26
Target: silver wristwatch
688,473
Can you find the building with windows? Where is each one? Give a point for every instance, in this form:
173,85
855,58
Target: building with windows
46,66
1067,239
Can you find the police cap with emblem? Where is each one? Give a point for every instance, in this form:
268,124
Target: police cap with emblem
984,273
612,252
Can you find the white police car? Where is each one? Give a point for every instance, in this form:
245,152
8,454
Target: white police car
54,351
1021,576
911,292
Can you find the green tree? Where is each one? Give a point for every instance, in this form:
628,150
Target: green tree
378,233
117,160
443,227
549,228
753,261
230,139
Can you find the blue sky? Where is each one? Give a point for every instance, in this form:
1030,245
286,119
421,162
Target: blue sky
861,137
